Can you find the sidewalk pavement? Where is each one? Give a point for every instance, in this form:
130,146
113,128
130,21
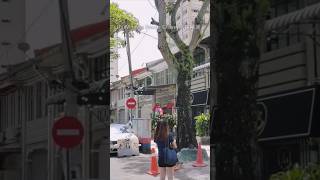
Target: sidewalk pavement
136,167
206,147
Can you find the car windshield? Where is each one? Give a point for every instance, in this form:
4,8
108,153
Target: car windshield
118,129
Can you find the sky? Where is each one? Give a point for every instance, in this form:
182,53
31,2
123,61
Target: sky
143,47
43,19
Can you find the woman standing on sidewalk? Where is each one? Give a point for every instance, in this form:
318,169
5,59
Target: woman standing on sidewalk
164,139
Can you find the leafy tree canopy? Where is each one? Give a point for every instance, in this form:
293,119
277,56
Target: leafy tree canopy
120,19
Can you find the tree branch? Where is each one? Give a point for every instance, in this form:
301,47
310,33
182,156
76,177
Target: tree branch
176,38
201,35
198,23
154,22
162,37
174,12
156,3
173,31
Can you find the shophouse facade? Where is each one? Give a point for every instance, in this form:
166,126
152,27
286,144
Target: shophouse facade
288,86
26,145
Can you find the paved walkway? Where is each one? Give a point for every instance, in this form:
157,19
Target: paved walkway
206,147
136,167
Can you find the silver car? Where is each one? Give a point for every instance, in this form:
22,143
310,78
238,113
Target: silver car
123,141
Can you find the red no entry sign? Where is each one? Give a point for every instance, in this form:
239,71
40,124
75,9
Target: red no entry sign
67,132
131,103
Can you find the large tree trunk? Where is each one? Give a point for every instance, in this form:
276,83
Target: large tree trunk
185,127
235,120
186,136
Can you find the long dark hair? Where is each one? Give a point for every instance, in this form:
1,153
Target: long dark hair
162,131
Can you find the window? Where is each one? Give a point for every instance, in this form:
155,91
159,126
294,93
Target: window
20,107
281,7
38,100
5,43
30,104
13,110
291,36
100,67
171,76
119,94
2,111
293,32
46,94
5,20
148,81
163,77
6,116
141,83
199,56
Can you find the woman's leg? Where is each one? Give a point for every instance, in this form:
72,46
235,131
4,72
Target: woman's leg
170,172
162,173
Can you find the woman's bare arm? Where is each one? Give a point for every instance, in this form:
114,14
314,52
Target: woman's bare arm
174,144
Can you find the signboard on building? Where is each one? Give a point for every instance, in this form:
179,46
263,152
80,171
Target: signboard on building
199,98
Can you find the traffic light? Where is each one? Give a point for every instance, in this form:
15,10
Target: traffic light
144,92
93,99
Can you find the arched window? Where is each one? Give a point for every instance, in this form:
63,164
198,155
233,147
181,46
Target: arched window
199,56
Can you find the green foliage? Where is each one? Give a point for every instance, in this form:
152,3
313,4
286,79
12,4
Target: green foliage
312,172
154,120
172,121
202,124
120,19
169,8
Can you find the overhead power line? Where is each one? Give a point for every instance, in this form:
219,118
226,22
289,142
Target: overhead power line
33,22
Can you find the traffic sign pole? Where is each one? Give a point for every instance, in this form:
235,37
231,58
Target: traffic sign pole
67,132
68,163
131,104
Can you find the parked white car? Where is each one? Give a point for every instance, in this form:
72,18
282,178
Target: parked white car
123,141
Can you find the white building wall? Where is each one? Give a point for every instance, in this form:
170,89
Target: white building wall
113,71
11,32
185,18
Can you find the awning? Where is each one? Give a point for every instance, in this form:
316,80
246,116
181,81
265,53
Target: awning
7,88
290,114
307,13
201,66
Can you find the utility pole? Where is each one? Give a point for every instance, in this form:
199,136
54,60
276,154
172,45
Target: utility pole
126,32
71,106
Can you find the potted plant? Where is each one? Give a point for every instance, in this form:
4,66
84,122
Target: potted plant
202,128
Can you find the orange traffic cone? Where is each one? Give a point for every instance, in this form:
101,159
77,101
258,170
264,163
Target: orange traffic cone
199,161
154,170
